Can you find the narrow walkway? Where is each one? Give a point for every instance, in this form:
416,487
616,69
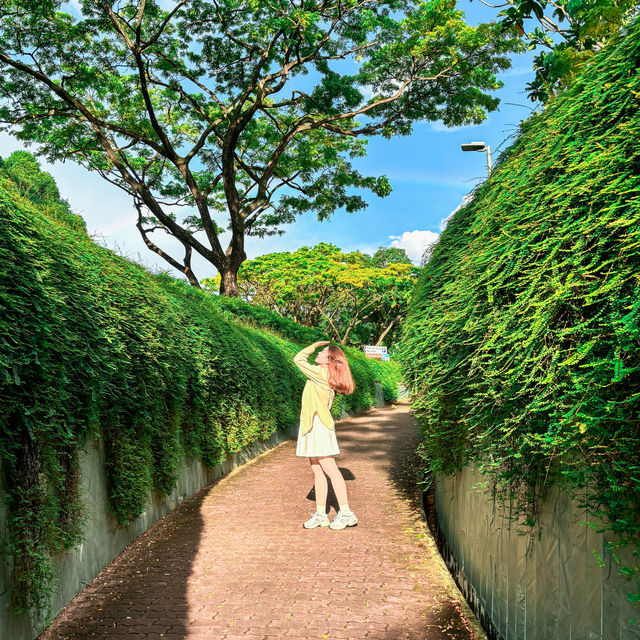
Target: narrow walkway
234,562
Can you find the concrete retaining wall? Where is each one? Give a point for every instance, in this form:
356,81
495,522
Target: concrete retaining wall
103,539
528,587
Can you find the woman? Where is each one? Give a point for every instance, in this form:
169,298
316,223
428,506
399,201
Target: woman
317,435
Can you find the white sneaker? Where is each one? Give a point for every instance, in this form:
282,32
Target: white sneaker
343,520
317,520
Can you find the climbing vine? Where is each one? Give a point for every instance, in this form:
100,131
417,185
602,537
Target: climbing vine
522,346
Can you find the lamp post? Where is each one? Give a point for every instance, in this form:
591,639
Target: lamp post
480,146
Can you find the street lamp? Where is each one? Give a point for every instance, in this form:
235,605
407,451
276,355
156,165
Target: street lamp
480,146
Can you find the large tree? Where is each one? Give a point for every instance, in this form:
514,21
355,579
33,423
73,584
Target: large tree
353,297
237,115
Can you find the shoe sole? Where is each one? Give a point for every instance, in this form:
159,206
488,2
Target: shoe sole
318,526
355,524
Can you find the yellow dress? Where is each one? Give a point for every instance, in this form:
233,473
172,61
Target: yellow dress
316,435
318,442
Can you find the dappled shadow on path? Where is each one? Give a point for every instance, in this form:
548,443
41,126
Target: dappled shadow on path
391,442
388,438
142,590
332,501
447,623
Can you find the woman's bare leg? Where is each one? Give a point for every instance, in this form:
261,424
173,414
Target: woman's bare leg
329,466
320,485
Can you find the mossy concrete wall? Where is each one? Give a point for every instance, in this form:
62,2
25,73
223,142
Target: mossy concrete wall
533,583
103,539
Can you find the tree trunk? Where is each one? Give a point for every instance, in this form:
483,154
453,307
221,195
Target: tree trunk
352,325
384,333
229,283
193,281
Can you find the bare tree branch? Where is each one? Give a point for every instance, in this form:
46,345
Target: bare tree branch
185,267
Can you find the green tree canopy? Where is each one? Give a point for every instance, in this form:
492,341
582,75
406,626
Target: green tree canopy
567,33
238,115
345,294
24,171
390,255
37,185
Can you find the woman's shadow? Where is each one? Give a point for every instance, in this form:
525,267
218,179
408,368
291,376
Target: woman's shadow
332,501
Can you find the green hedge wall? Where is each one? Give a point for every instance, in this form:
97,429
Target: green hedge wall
522,344
263,318
92,345
365,370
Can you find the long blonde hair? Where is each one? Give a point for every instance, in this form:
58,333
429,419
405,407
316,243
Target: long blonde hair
340,378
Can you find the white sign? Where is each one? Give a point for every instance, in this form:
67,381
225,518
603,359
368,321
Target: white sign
375,352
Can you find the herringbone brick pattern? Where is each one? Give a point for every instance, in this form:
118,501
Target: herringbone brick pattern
234,562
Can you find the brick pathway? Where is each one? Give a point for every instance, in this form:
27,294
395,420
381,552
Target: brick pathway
234,562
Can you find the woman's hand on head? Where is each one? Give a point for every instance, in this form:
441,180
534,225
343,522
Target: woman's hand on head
321,343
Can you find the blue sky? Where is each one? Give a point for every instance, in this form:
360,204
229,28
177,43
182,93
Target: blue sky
429,174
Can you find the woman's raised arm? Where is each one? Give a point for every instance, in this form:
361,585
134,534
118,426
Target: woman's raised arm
301,360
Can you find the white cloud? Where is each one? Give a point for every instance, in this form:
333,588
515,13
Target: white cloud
415,243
